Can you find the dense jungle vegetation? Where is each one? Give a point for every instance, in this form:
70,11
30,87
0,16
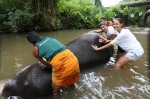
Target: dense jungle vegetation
47,15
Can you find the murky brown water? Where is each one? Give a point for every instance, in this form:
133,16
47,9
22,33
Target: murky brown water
95,83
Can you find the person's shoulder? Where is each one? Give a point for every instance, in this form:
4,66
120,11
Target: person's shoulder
110,27
46,37
126,30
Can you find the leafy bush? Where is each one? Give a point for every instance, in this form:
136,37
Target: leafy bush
68,14
19,21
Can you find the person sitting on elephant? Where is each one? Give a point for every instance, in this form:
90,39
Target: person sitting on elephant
52,53
127,41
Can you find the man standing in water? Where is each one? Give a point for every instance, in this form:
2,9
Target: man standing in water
52,53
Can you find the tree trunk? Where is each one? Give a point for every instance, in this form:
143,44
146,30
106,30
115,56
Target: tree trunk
47,8
145,22
137,4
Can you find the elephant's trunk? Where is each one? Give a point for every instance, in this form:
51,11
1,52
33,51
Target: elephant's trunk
145,22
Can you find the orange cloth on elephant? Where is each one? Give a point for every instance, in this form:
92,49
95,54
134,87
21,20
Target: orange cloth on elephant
65,68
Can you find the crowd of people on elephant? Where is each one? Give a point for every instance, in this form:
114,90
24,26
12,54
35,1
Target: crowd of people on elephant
64,64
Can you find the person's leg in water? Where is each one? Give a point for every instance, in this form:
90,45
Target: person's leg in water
120,53
122,61
56,90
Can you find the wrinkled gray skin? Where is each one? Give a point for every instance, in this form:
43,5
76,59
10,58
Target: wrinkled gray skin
81,47
34,81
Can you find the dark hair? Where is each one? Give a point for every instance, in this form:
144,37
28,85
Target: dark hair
120,20
102,23
103,18
33,37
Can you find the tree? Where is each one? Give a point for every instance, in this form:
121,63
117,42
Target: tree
97,3
136,4
47,7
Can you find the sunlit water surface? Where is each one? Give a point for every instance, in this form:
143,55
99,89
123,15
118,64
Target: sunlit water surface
95,83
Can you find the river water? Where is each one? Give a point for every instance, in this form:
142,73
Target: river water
100,82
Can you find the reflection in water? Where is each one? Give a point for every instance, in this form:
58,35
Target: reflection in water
95,83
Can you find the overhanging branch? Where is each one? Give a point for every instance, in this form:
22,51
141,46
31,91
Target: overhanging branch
136,4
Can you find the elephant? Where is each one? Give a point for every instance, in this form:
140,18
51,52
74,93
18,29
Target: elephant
145,18
34,81
87,57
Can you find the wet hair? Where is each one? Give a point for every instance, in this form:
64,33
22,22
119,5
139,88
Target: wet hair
33,37
102,23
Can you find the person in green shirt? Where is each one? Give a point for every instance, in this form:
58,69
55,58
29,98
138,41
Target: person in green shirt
52,53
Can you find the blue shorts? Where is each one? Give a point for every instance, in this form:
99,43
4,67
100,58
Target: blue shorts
132,56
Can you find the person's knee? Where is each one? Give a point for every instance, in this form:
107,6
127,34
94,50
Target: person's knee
55,92
55,89
117,66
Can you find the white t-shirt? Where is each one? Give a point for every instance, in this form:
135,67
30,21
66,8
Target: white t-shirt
128,42
110,31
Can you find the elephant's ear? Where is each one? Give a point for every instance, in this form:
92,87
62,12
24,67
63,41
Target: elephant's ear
145,22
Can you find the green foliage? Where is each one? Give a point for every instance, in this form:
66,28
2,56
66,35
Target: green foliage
19,20
17,16
97,3
76,14
123,13
109,13
135,17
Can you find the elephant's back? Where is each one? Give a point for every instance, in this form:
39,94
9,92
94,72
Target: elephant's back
81,47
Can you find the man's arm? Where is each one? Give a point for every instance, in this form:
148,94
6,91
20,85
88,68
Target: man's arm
97,31
35,54
112,36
